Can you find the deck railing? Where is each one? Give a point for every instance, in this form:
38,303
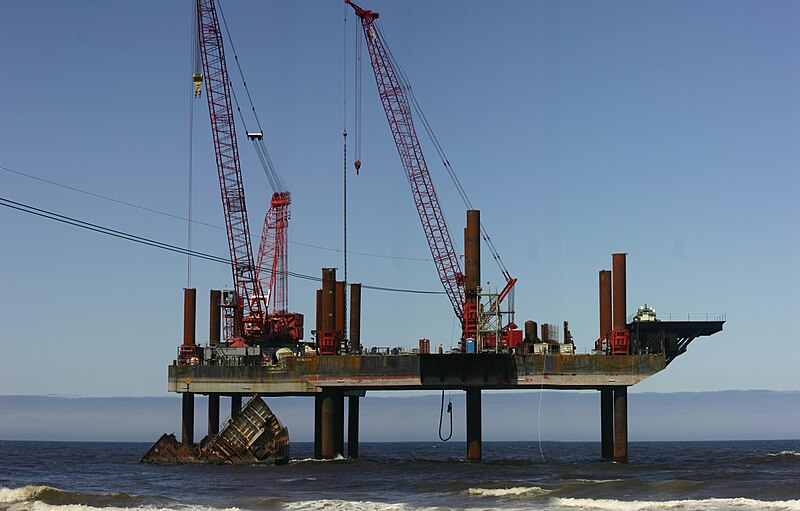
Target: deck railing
686,316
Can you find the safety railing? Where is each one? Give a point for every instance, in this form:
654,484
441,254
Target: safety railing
686,316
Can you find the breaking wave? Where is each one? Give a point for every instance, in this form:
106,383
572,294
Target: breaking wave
596,481
516,491
784,454
22,494
338,457
685,505
344,505
47,498
55,496
41,506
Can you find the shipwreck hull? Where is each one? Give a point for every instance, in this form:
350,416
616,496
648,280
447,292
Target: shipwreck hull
252,436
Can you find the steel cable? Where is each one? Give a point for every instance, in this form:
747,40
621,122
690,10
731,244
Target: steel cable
406,83
169,247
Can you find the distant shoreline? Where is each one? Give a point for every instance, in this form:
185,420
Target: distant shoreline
723,416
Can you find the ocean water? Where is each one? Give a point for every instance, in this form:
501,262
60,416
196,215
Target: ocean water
740,476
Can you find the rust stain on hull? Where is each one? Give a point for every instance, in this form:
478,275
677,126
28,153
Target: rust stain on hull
309,375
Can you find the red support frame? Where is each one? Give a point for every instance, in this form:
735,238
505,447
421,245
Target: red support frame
328,342
619,342
273,253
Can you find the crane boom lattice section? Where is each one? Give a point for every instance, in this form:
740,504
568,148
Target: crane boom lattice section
245,276
272,253
398,113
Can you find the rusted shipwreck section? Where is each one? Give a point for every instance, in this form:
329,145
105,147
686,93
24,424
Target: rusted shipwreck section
253,435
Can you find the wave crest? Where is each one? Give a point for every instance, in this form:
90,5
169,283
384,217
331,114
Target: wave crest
516,491
344,505
338,457
49,498
784,454
10,495
689,504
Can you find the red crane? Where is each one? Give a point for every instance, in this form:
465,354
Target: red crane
273,269
398,114
251,322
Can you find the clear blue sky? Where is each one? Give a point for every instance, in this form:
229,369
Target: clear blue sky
665,130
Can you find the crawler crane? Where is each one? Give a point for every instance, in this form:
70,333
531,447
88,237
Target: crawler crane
256,285
393,95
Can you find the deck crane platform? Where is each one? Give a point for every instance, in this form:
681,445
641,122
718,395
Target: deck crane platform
255,285
398,113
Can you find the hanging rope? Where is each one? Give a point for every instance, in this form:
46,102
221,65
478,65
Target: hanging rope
197,77
344,168
357,100
344,222
441,417
539,415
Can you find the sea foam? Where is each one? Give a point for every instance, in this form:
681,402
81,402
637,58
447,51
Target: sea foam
41,506
784,454
338,457
344,505
515,491
8,495
684,505
48,498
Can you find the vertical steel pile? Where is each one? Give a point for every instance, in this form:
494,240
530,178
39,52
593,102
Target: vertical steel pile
605,303
355,318
618,275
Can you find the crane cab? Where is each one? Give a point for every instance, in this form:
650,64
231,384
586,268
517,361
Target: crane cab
228,298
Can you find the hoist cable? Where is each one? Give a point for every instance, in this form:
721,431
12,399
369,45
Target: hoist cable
194,51
399,72
196,222
406,83
236,59
107,231
448,166
365,254
275,180
273,177
169,247
106,197
357,100
344,167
